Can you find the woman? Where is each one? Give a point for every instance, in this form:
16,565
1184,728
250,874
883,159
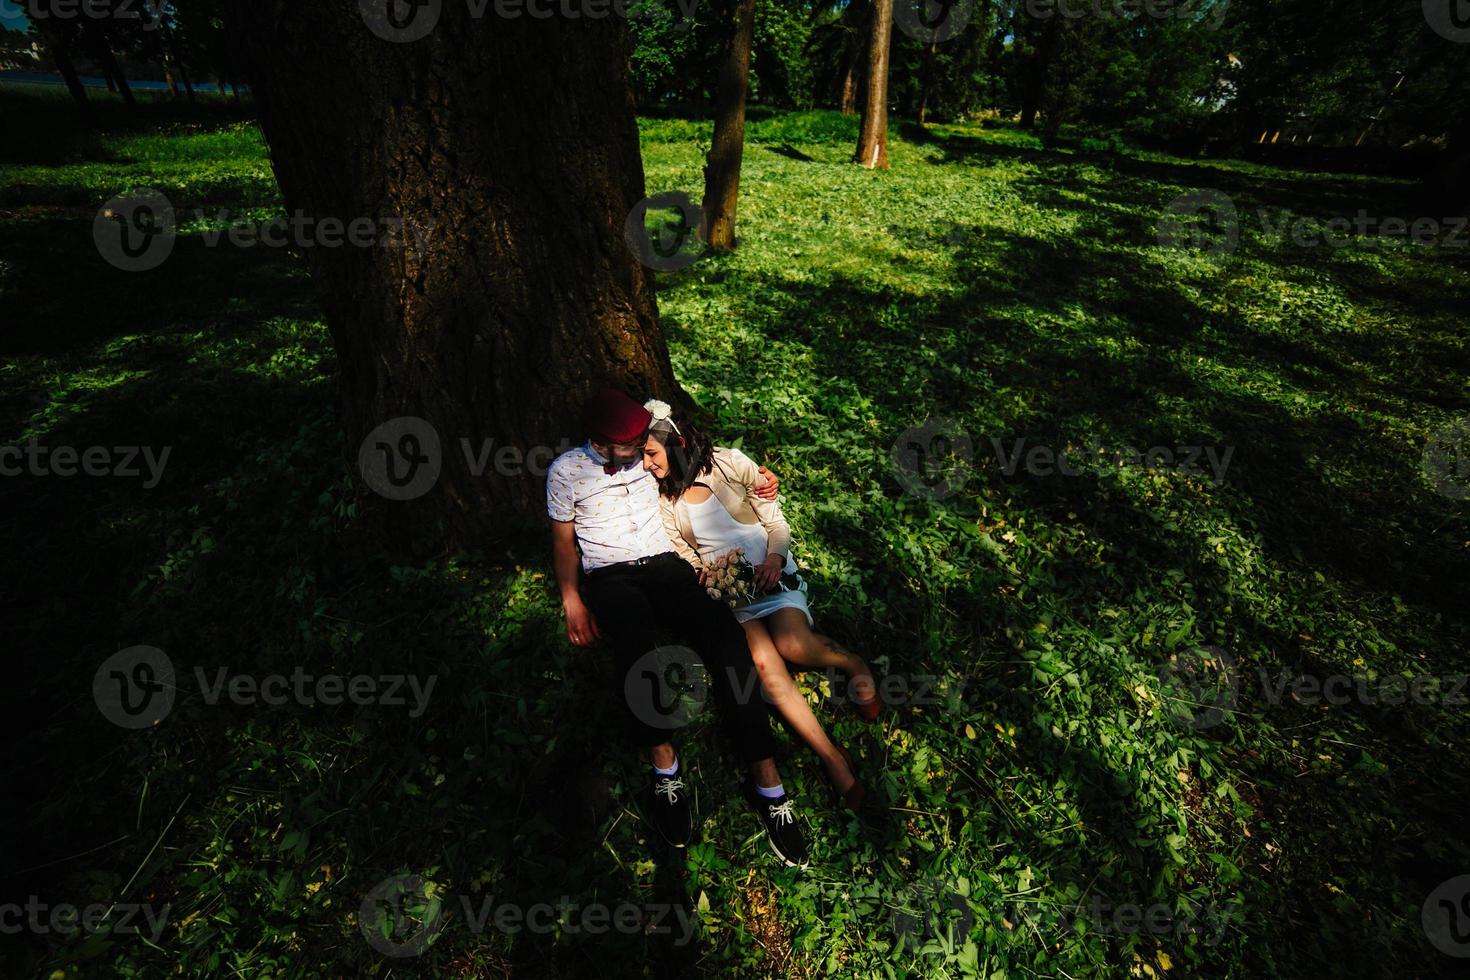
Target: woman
707,497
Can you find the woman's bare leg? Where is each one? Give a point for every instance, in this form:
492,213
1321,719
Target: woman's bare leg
797,644
788,699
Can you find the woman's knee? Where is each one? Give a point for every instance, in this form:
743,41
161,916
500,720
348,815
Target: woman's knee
798,643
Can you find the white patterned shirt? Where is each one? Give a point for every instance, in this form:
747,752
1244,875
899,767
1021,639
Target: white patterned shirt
615,515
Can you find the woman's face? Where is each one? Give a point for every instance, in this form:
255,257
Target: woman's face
655,458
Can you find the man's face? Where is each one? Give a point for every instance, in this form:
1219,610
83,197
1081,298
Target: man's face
622,453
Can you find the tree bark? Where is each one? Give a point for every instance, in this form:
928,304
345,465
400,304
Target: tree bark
509,150
61,54
117,79
168,73
722,165
930,56
173,45
872,147
1040,70
849,82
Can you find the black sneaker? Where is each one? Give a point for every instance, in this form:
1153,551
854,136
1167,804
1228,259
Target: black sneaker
669,812
779,819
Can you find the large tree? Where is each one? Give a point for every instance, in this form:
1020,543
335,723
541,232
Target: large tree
508,149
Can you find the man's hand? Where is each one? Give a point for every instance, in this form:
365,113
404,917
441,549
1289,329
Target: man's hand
581,624
767,490
768,573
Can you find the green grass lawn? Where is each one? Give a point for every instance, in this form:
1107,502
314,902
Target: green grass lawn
1044,812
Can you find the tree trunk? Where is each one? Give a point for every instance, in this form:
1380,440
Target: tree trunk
117,79
168,76
61,54
173,45
722,165
928,83
849,82
509,150
872,148
1040,71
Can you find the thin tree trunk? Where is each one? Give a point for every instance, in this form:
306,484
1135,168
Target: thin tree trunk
872,148
1040,72
722,165
509,150
928,84
849,82
61,54
114,71
173,44
1374,121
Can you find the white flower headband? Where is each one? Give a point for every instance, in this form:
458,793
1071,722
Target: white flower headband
662,412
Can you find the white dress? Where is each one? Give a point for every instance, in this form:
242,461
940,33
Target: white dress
717,533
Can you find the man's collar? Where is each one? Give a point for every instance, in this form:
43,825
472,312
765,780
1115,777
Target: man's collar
608,466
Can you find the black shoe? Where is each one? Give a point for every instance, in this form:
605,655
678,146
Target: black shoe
669,811
779,820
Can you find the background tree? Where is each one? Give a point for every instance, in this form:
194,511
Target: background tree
872,146
722,164
61,38
510,151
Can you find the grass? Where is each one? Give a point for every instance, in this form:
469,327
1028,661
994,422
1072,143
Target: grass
1016,290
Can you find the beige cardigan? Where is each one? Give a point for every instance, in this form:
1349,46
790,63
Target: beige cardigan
733,479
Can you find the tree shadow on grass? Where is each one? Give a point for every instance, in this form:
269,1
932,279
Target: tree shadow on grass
62,294
1316,489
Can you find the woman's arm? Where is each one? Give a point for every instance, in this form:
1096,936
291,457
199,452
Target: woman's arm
676,537
768,512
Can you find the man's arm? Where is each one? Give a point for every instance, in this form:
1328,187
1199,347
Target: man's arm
581,624
767,490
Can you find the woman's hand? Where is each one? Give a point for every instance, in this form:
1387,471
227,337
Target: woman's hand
768,573
767,490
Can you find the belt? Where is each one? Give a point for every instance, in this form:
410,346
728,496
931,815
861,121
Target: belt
632,562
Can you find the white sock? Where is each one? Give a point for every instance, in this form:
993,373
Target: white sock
672,770
770,792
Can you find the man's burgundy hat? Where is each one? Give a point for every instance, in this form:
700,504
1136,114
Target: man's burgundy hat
612,417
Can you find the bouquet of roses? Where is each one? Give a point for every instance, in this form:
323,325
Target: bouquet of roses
731,578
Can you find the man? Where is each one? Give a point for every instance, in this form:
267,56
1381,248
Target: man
601,499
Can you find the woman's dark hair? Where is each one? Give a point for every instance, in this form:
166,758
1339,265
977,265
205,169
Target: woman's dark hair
688,462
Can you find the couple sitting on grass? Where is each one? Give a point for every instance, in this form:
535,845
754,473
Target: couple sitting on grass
660,518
